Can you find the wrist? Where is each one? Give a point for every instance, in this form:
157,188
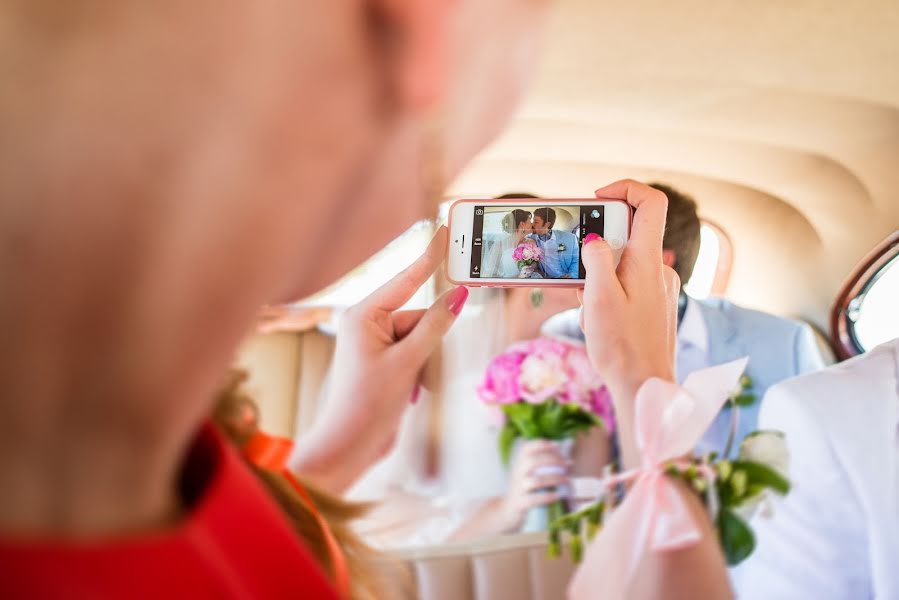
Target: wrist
624,389
320,459
624,394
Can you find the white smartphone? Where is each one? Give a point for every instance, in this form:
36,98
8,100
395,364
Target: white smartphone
530,242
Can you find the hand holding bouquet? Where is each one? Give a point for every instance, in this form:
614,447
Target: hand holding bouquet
545,390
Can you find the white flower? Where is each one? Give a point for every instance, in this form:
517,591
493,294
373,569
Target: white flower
768,448
750,506
542,375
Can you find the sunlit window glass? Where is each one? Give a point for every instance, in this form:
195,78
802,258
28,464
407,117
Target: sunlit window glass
874,314
379,269
706,270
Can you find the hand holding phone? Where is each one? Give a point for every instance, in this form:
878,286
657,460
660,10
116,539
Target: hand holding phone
530,242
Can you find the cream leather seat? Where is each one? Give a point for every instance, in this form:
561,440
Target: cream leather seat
513,567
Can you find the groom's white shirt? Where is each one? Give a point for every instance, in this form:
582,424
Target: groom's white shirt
836,535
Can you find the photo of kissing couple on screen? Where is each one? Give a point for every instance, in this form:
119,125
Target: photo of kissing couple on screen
519,244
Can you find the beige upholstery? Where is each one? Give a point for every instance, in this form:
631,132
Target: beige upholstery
287,371
503,568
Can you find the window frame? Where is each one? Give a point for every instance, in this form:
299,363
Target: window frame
842,331
725,259
725,263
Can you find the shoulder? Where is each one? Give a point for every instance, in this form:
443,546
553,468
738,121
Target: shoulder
818,394
566,237
752,319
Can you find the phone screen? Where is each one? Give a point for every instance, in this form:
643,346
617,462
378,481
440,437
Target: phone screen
532,242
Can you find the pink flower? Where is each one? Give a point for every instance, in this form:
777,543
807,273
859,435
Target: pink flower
527,252
500,384
601,406
544,369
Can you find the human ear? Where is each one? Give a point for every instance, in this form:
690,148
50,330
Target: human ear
420,40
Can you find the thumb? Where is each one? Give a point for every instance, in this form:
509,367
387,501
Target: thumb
433,325
672,291
601,286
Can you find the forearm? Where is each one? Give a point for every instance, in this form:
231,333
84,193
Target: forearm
484,522
697,571
624,394
330,466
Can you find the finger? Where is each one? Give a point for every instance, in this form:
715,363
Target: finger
405,321
549,461
649,220
541,499
427,334
672,292
602,287
541,464
532,484
533,447
396,292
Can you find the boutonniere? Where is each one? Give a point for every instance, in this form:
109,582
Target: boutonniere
561,247
744,395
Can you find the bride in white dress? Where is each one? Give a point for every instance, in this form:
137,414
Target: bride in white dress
499,261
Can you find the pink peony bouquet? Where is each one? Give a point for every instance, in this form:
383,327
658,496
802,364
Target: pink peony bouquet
546,390
527,254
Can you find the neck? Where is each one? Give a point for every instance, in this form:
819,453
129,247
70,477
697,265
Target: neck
681,307
92,485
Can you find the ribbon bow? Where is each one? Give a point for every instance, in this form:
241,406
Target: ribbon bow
270,452
669,421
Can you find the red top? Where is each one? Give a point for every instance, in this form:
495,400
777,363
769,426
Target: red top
234,543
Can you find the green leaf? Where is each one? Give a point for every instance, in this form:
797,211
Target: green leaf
522,414
556,510
744,399
737,539
551,420
760,474
577,549
507,437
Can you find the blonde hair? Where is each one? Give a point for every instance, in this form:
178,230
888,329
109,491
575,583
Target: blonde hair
372,575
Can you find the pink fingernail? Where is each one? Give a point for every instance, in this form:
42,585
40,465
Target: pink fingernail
456,300
415,394
591,237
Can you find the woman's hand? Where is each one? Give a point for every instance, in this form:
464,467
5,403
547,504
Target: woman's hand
629,313
506,514
538,465
630,322
377,369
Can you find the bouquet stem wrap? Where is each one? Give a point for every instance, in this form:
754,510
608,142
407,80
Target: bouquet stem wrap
669,421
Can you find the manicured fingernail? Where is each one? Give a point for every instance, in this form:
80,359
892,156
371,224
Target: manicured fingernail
456,300
415,394
590,237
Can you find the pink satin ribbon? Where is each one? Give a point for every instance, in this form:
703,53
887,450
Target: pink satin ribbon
669,421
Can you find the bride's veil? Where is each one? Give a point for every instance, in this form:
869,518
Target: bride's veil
493,265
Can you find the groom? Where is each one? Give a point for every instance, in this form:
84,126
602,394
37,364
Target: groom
560,248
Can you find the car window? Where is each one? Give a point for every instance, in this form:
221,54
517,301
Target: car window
874,314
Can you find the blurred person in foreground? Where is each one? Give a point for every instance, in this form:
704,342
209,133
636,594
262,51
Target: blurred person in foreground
715,331
835,536
159,166
324,522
